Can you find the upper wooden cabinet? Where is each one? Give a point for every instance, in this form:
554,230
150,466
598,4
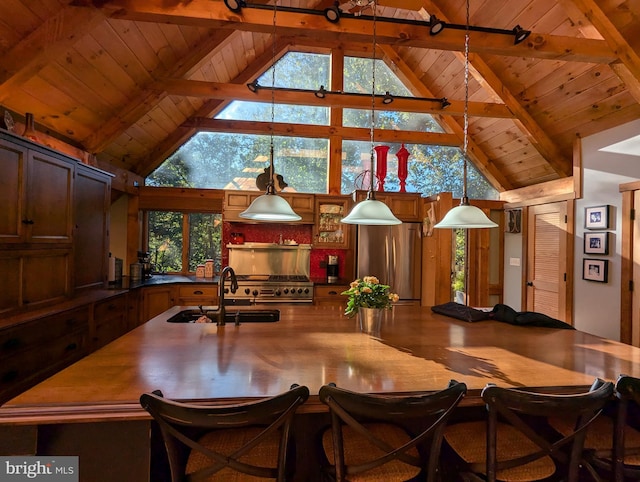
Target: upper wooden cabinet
91,202
237,201
328,231
36,190
404,205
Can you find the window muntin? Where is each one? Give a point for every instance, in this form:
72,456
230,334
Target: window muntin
178,242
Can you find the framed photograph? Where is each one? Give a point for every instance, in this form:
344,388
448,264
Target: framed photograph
595,270
596,217
596,243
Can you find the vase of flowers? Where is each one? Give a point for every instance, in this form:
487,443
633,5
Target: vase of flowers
367,299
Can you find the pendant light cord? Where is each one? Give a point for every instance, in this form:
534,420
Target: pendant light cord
465,142
371,194
271,184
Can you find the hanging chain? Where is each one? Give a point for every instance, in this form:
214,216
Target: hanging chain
466,109
373,94
273,95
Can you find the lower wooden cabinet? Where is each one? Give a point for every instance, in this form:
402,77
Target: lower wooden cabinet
329,294
155,300
197,294
32,351
110,320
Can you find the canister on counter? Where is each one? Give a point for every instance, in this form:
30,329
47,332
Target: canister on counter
208,268
135,271
200,271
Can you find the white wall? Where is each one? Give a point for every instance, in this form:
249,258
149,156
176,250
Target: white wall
597,305
512,292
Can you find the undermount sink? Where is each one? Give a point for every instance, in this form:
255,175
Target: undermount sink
231,316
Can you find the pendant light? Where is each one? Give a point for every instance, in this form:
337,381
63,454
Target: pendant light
270,207
465,215
371,211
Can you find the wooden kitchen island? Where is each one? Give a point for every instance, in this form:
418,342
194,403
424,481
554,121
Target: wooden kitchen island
91,408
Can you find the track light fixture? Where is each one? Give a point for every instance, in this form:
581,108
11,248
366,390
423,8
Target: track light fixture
253,86
332,14
235,5
436,25
520,34
321,93
387,98
445,103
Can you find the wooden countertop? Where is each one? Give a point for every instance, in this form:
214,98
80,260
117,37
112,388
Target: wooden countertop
313,345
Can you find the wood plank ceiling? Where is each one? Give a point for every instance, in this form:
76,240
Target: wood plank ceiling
130,81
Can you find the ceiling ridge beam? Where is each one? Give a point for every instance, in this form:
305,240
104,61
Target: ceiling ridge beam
477,155
214,14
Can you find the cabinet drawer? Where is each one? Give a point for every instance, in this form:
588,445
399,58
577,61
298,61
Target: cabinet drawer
198,292
108,309
329,291
43,331
32,365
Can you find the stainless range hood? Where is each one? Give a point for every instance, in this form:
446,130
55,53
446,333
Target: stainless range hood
270,259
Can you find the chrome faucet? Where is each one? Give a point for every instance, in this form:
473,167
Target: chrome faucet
220,313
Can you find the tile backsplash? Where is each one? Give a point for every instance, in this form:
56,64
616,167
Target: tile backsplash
270,233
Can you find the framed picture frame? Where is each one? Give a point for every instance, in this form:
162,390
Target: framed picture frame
595,270
596,217
513,221
596,243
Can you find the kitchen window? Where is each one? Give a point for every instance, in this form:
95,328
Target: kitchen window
179,241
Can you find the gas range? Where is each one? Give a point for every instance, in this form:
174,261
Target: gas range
278,288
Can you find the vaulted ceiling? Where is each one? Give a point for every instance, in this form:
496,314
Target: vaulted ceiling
130,81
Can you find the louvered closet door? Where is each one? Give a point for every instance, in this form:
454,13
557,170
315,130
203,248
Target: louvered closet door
547,259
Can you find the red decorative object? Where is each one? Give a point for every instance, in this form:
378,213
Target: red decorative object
381,165
403,156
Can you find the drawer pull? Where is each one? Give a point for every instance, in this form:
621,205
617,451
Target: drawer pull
27,221
198,292
10,376
71,347
333,292
11,344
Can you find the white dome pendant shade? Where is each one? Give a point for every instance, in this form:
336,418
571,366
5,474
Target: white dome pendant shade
371,212
465,216
271,208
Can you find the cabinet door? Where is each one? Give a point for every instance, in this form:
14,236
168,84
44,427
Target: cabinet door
49,194
45,276
329,232
10,267
156,300
91,220
12,187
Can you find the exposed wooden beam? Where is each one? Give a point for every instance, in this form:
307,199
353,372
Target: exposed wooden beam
141,102
314,131
50,40
214,90
312,27
491,81
477,155
628,65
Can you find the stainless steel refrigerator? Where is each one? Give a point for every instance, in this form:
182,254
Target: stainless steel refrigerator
393,254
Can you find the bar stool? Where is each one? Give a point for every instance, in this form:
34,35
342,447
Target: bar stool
385,437
227,442
516,443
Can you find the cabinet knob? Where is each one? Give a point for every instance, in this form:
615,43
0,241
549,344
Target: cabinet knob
11,344
27,221
529,283
71,346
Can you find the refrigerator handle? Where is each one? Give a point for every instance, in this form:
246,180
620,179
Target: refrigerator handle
391,263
